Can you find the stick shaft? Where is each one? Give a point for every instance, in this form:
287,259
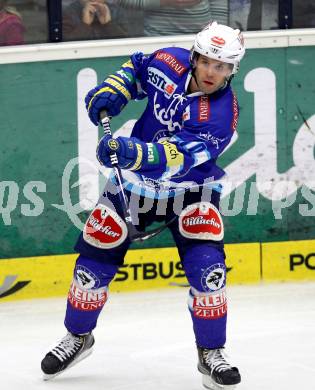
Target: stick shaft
133,233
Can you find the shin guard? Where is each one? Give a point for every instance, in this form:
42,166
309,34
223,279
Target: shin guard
208,312
206,272
88,293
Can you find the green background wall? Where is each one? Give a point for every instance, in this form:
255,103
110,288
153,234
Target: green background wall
38,136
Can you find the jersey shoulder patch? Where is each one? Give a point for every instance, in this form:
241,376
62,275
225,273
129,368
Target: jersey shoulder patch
175,60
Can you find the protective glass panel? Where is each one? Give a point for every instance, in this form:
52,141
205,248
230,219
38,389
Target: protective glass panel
101,19
23,22
303,13
249,15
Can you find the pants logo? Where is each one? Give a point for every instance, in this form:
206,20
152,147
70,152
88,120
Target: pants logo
213,278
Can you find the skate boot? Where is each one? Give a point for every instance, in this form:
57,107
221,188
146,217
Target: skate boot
218,374
70,350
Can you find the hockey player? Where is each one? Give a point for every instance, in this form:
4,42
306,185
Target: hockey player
190,118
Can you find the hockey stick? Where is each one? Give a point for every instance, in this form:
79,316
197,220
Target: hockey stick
133,233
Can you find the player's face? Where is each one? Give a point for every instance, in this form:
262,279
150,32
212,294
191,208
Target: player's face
210,74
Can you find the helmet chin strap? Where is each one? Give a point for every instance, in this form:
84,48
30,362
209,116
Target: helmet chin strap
194,76
229,79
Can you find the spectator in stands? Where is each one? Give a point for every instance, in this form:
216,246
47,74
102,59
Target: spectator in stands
11,25
175,17
263,15
90,19
130,19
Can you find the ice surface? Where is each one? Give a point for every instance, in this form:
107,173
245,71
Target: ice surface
144,341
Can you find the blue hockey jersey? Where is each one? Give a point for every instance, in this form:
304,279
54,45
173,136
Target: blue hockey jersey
184,132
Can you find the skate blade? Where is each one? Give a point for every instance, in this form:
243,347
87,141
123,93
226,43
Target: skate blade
84,355
209,383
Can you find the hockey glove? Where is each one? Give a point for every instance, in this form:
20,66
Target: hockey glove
104,97
129,152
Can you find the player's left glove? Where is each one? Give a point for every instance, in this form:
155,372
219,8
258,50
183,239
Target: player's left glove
129,152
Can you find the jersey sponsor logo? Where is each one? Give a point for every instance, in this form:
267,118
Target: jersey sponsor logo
210,306
235,113
125,75
156,184
153,154
203,109
173,156
86,299
214,140
201,221
160,81
171,61
186,114
218,41
104,228
213,278
169,89
86,278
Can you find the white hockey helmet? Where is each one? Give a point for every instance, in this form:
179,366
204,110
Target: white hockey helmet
221,43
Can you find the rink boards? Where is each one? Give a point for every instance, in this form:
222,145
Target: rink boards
46,197
247,263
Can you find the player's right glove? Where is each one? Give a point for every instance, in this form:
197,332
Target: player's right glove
105,97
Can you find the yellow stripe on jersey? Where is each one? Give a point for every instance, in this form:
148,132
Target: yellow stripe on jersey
138,162
118,86
112,76
128,64
105,89
173,156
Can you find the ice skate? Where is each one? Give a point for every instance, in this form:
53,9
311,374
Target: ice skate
218,374
70,350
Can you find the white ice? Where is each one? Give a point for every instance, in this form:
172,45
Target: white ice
144,341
